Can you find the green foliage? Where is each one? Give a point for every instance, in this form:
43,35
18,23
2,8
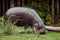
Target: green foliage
1,25
42,15
7,27
48,19
38,7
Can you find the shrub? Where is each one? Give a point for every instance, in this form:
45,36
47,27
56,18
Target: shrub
7,27
48,19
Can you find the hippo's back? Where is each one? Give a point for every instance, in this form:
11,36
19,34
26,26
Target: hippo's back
19,10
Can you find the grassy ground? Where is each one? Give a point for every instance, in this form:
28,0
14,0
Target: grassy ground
50,35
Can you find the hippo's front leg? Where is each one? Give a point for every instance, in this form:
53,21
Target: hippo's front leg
33,30
25,27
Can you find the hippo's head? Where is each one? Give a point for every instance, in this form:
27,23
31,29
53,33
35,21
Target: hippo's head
39,29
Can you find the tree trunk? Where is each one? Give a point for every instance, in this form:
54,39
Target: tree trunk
47,6
6,5
57,9
1,7
52,28
53,12
15,2
12,3
22,3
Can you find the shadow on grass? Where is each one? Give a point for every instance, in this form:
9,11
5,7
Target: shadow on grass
54,31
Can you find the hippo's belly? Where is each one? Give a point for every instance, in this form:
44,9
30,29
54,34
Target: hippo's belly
22,19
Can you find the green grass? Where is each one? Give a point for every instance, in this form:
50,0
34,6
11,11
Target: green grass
50,35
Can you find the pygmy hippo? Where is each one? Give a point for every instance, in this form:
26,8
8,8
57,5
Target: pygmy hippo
22,16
